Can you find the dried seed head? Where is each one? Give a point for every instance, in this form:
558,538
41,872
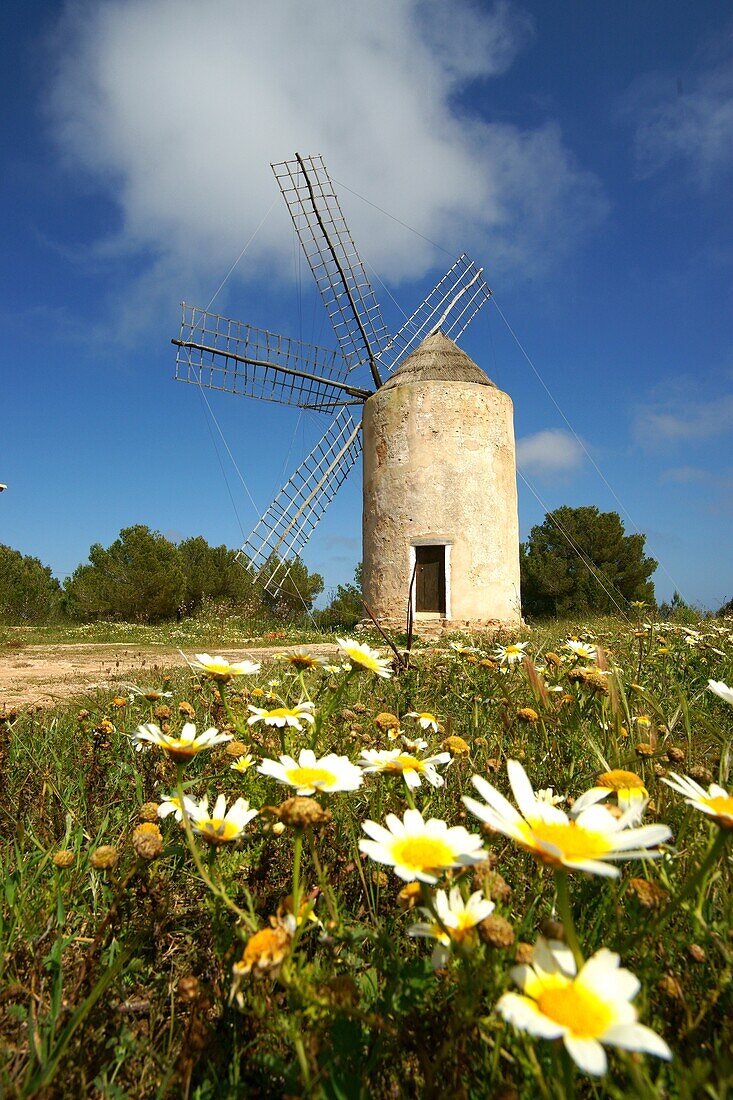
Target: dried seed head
644,749
186,709
524,954
496,931
105,857
265,951
456,745
553,659
188,988
82,716
147,840
236,749
527,714
700,774
387,721
163,712
302,813
380,879
63,858
493,884
675,754
696,953
647,893
149,811
670,987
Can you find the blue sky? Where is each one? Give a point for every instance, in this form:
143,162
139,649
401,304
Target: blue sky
581,152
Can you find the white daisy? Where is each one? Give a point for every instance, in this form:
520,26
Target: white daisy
393,761
721,690
583,1009
581,649
308,774
283,716
453,922
219,826
424,719
219,668
419,849
509,654
179,748
581,844
363,657
716,802
171,804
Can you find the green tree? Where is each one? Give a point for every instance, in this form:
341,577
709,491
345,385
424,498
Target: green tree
138,578
579,560
29,593
297,592
346,608
214,573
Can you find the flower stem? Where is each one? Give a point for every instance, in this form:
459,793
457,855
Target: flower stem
566,916
216,889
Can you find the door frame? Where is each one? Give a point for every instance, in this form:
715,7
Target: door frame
447,545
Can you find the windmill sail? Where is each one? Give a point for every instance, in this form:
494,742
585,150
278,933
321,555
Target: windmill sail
291,519
336,265
222,354
451,306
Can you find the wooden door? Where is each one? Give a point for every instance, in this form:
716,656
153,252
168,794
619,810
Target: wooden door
430,579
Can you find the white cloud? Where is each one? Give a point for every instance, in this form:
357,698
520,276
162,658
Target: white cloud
549,453
693,421
176,108
689,123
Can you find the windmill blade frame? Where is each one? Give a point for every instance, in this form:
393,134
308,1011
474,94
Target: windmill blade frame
339,272
219,353
450,306
284,529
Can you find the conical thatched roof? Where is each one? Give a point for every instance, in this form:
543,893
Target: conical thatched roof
438,359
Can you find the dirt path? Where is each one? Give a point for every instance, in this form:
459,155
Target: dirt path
48,674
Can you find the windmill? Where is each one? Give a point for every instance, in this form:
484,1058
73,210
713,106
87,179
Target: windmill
219,353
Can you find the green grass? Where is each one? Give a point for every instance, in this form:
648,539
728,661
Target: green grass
117,983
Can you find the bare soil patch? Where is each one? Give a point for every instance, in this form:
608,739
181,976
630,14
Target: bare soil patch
49,674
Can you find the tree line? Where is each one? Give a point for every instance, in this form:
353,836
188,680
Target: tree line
578,561
143,577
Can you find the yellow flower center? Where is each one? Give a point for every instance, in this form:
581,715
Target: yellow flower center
217,830
405,763
619,780
423,853
182,750
310,777
512,650
281,712
722,805
573,842
583,1013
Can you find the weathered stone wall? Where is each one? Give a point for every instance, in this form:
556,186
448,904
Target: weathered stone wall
439,464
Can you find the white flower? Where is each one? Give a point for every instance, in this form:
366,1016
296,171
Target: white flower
547,794
716,802
364,657
219,827
172,804
581,649
412,767
628,787
583,1009
219,668
722,690
179,748
453,922
419,849
308,774
283,716
509,654
582,844
425,720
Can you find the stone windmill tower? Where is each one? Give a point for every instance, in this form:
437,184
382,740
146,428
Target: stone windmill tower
440,523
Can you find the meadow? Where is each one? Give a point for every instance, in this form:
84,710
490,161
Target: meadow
271,942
